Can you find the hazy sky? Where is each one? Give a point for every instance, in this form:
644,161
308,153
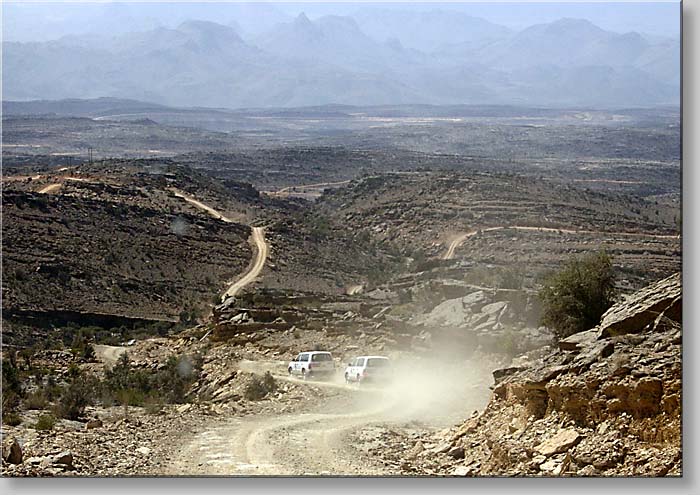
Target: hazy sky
650,17
49,20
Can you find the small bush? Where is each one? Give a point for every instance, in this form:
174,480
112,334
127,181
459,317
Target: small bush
258,387
45,422
153,407
78,395
36,400
11,419
12,391
574,299
136,387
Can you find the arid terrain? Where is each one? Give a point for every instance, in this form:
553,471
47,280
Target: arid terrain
212,254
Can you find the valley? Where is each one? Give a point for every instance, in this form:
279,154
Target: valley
228,252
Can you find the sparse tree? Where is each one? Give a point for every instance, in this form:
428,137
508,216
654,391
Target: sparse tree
575,298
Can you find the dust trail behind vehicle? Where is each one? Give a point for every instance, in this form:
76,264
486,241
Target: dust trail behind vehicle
316,439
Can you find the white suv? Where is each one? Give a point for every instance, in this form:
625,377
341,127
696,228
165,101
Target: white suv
312,364
368,369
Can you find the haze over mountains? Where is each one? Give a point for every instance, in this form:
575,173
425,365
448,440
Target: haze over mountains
382,57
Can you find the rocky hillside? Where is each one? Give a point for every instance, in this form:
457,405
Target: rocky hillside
508,220
606,402
113,241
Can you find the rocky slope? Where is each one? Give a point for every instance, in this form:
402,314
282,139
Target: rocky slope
110,244
507,220
606,402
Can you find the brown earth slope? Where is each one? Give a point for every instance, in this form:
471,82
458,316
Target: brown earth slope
607,402
507,220
114,240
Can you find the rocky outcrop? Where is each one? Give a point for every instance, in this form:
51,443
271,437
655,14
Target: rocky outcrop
604,403
493,319
644,308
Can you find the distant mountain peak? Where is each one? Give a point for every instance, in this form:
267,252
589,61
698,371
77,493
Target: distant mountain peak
210,34
574,24
302,20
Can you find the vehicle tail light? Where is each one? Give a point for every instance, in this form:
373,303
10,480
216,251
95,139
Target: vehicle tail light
311,365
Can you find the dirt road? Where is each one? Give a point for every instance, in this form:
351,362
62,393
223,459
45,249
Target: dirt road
108,354
331,435
257,237
290,444
261,248
457,241
201,205
50,188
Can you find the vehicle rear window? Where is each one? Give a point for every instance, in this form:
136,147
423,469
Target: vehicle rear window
377,362
321,357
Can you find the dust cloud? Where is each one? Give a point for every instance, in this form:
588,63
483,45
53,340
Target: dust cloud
431,390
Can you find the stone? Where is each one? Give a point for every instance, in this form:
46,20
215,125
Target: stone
417,449
93,423
474,298
442,448
461,471
493,308
143,450
579,340
560,442
65,458
561,468
456,452
550,466
642,308
12,452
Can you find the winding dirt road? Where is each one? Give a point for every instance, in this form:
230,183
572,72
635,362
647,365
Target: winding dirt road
331,435
257,237
201,205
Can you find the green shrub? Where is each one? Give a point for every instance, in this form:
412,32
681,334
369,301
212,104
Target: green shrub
76,397
11,419
12,391
135,387
36,400
45,422
574,299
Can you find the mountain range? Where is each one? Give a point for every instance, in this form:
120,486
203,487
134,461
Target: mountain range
391,58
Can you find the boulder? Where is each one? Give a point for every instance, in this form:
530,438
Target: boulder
562,441
579,340
494,308
474,299
93,423
64,458
642,308
12,452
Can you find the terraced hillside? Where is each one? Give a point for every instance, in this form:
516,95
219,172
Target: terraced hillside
507,220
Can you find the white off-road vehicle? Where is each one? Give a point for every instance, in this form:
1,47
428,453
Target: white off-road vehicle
312,364
368,369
